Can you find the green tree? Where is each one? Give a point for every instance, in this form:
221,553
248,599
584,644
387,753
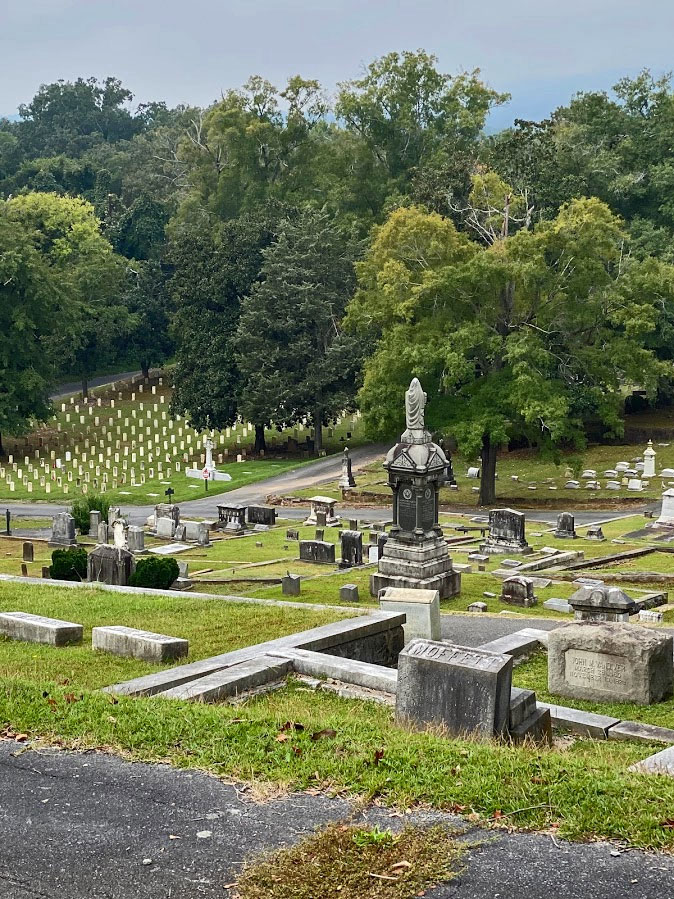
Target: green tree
147,299
212,272
33,300
294,360
66,233
529,336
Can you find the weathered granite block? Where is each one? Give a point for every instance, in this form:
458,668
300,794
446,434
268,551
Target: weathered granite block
262,515
28,552
506,532
608,661
478,607
348,593
420,607
566,528
518,591
137,644
466,690
63,530
95,518
136,540
601,603
290,585
352,549
317,551
166,528
38,629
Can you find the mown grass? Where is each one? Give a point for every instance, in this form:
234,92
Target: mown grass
345,860
211,627
583,792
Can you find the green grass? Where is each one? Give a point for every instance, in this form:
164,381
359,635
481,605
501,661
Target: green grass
62,435
585,791
211,627
533,675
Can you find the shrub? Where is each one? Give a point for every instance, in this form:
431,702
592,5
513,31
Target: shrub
69,564
83,505
155,572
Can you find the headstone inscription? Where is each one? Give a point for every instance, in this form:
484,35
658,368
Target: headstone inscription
506,532
466,690
608,661
317,551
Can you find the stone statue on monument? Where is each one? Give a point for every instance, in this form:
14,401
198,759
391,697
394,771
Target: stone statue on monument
415,403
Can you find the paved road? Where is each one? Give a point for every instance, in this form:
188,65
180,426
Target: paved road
79,826
64,390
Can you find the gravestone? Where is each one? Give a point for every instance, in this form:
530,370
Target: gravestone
607,661
103,533
63,530
666,518
382,540
465,690
351,549
348,593
506,533
95,518
262,515
136,644
353,524
346,480
594,532
420,607
292,534
319,534
565,526
321,519
110,565
136,540
119,534
28,552
473,473
415,555
602,603
326,506
114,512
478,607
649,461
232,518
167,510
165,528
518,591
290,585
317,551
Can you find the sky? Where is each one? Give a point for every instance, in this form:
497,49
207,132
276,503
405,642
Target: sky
190,51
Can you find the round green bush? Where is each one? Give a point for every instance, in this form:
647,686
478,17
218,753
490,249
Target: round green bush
69,564
155,572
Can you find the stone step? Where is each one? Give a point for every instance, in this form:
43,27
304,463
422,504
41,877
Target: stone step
136,644
232,681
39,629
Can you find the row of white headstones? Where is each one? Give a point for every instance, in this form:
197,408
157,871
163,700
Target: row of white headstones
124,451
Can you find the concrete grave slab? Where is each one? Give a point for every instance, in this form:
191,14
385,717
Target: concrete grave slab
39,629
136,644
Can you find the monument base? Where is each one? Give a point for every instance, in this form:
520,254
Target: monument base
493,548
423,566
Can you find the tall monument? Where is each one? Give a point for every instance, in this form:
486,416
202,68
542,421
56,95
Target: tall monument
416,554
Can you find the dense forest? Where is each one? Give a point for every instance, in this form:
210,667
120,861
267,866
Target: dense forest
297,254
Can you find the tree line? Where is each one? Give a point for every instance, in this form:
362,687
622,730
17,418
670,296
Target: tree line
297,255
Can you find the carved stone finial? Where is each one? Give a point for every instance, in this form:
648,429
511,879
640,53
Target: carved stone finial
415,402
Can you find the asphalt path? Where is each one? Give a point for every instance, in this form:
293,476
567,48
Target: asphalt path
91,826
64,390
314,474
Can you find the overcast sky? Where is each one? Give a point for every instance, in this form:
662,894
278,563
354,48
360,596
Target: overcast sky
191,50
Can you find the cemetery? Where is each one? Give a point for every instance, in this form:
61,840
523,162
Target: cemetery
347,625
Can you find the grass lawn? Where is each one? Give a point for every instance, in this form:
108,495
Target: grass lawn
211,627
582,791
531,470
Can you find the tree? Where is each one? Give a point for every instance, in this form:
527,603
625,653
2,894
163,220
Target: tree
294,360
66,234
212,272
32,303
147,299
528,337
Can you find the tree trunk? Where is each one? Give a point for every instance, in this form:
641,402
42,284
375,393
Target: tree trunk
260,443
145,369
85,387
2,449
488,473
318,430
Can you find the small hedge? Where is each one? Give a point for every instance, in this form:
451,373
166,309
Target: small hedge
69,564
83,505
155,572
